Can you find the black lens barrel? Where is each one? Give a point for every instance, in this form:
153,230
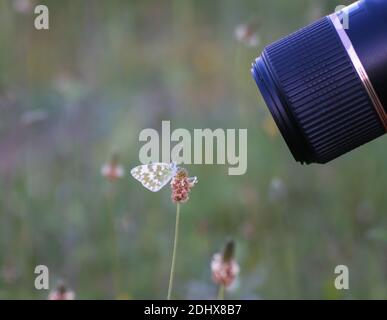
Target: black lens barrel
314,92
368,34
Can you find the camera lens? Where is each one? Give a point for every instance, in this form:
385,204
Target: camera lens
326,84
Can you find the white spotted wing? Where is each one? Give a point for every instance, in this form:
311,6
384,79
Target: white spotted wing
154,176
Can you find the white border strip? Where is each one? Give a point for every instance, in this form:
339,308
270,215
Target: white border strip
359,68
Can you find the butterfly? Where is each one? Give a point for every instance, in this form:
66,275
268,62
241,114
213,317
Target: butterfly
155,176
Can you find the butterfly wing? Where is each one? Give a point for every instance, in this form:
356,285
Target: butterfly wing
154,176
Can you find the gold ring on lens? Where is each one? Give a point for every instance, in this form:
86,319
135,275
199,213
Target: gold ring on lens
359,69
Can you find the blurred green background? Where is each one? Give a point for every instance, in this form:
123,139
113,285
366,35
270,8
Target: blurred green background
105,70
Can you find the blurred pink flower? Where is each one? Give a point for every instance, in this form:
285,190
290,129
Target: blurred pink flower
61,292
23,6
246,34
224,266
113,170
181,186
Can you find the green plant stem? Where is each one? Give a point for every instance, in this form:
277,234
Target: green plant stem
172,274
113,243
221,292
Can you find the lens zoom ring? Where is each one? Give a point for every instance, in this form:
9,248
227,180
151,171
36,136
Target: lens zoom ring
324,92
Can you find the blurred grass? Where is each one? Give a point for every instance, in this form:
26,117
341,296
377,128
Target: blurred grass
108,69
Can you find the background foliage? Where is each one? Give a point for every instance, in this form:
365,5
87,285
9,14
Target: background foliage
105,70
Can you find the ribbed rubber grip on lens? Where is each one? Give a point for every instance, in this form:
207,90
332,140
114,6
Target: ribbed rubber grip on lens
323,91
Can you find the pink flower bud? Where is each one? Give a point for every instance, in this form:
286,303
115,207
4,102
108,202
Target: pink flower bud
181,186
113,170
61,292
224,267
